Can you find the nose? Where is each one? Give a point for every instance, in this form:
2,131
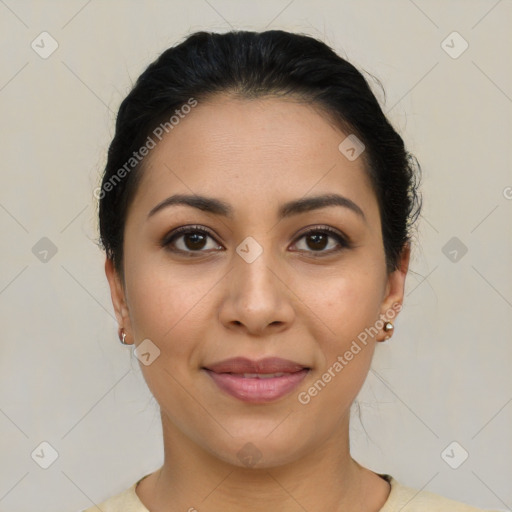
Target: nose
257,298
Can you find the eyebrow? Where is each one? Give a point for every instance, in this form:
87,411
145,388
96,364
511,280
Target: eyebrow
218,207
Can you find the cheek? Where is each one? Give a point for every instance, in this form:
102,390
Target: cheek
350,302
168,310
349,307
160,301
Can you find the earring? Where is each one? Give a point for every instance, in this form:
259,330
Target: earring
388,327
122,336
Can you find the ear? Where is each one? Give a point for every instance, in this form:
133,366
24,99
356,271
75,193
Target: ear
395,287
117,294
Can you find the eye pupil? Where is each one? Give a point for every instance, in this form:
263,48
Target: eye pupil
197,238
316,237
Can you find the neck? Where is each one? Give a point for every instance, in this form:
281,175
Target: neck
193,479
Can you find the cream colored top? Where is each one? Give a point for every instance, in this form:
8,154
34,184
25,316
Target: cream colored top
401,498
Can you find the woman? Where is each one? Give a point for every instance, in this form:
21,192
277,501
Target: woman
256,212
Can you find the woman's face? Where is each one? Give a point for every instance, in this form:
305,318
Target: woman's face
256,285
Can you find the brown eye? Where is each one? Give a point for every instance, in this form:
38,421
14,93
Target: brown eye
317,241
194,241
189,239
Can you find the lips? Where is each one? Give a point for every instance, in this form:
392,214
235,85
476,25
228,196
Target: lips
260,381
267,365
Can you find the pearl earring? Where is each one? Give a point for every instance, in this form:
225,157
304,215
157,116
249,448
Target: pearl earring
388,327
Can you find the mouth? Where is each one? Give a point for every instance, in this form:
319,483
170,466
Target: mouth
262,381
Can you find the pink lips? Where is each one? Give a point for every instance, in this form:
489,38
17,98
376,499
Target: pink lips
260,381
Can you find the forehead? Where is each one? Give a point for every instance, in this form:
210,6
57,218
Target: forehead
257,150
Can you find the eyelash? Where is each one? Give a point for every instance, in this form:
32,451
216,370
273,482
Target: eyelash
184,230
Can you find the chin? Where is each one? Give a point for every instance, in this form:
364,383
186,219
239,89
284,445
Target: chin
260,451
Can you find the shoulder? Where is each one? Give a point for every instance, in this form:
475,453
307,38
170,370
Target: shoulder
125,501
407,499
401,498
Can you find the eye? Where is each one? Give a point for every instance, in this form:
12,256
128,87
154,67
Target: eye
194,239
188,239
318,240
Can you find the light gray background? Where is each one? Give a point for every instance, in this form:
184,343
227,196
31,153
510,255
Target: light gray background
65,379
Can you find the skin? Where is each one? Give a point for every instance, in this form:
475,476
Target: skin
290,302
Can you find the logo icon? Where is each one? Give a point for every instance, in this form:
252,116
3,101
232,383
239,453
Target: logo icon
44,455
454,250
249,249
44,45
351,147
454,455
249,455
454,45
146,352
44,250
